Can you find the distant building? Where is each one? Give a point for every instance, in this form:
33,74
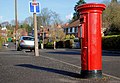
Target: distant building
72,28
4,24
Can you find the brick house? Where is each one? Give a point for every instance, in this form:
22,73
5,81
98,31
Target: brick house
72,28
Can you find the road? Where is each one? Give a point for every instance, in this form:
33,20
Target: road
53,66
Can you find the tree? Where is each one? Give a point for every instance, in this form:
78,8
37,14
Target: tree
106,2
76,14
9,27
10,33
113,1
29,20
10,30
111,18
58,32
44,18
0,26
51,19
55,19
24,26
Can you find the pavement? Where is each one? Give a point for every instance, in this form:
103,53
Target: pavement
49,67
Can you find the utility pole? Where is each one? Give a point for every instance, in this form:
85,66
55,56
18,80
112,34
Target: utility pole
16,23
35,32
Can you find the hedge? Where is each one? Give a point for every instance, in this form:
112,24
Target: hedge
49,45
60,44
111,42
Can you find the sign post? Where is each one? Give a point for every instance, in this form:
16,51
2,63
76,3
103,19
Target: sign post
34,8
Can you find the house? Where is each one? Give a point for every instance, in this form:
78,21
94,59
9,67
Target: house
3,32
72,28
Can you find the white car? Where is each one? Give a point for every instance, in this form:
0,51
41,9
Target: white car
26,42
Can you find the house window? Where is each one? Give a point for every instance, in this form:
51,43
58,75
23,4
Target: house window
68,30
76,29
73,30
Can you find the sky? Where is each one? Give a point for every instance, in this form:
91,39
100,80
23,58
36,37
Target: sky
65,8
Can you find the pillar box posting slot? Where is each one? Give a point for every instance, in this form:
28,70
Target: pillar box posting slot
91,24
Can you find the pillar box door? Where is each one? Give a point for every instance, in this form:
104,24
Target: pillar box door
91,24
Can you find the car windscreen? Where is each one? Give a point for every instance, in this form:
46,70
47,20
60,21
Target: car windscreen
28,38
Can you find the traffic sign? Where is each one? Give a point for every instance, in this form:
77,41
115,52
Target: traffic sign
34,7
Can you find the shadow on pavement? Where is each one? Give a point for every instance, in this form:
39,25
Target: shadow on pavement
27,51
62,72
65,52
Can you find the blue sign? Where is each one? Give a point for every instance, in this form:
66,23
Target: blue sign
34,7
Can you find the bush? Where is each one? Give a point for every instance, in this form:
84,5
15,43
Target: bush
49,45
60,44
1,41
69,43
111,42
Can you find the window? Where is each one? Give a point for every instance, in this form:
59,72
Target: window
76,29
28,38
70,29
73,30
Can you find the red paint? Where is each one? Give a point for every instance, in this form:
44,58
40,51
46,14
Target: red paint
91,20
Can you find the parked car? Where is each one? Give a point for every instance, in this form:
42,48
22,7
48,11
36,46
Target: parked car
26,42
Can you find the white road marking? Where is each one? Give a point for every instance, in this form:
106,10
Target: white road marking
117,78
61,61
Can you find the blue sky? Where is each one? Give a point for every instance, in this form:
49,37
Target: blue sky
63,7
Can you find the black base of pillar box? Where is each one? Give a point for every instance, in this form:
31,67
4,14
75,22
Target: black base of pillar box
91,73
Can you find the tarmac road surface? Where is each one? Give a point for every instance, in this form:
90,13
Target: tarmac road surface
53,66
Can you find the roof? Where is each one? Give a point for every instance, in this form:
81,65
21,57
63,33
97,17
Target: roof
73,24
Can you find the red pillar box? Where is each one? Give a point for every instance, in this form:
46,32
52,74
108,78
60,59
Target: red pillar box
91,23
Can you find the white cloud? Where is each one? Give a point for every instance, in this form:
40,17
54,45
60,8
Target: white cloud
69,16
0,17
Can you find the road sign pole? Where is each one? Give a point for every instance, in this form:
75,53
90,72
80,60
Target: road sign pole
35,33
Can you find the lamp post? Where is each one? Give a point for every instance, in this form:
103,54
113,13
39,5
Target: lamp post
16,23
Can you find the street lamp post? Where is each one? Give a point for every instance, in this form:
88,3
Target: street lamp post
16,24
